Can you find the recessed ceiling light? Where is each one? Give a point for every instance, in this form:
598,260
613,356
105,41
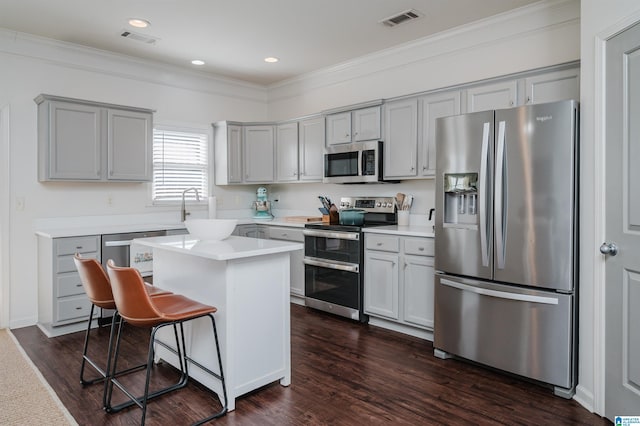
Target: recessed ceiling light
271,59
139,23
197,62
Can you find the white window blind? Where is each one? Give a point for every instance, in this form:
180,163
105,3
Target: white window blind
180,161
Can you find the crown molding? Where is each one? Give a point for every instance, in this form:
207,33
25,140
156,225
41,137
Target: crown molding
546,15
74,56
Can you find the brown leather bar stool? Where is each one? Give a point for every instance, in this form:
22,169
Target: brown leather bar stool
138,309
98,288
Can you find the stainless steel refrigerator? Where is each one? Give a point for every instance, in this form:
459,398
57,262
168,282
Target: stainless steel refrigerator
506,240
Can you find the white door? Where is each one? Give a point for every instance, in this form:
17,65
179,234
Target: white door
622,228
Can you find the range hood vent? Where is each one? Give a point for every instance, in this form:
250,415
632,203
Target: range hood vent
138,37
400,18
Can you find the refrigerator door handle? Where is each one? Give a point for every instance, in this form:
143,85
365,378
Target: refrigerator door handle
499,196
482,197
500,294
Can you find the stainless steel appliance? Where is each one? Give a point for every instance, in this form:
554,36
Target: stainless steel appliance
118,248
334,258
506,240
359,162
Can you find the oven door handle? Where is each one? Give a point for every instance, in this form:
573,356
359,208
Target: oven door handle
332,234
341,266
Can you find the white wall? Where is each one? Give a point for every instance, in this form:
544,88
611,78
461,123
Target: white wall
31,66
600,20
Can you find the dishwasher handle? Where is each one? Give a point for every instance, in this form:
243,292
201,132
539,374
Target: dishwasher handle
121,243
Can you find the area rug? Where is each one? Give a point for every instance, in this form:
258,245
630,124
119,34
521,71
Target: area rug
25,396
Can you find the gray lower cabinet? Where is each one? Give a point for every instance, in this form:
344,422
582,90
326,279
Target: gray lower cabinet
61,296
296,258
81,140
398,280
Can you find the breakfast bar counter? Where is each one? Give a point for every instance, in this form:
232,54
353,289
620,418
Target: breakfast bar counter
247,280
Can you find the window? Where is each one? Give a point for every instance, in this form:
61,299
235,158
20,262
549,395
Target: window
180,161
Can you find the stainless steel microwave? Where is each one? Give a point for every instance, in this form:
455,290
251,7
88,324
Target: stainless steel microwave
359,162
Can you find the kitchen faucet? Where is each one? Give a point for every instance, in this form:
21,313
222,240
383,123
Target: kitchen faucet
183,209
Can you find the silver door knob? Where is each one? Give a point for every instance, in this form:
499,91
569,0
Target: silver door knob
609,248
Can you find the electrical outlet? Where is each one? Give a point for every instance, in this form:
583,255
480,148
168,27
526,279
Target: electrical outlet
20,203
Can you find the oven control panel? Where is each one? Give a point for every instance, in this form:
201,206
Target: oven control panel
370,204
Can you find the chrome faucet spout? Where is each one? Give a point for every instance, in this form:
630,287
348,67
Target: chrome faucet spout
183,209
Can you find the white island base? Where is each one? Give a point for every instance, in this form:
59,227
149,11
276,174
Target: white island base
247,280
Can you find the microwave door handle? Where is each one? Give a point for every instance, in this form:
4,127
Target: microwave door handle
361,163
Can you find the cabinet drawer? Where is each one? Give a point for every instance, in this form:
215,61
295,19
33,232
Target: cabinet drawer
419,246
69,284
76,307
287,234
65,263
382,242
64,246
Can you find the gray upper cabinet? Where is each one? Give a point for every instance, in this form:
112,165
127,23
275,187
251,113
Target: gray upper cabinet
227,153
366,124
499,95
310,149
362,124
259,144
409,150
552,86
89,141
287,152
430,108
339,128
401,139
127,160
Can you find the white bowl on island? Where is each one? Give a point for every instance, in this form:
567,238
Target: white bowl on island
210,229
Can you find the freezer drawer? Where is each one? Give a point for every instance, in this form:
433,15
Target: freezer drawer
525,332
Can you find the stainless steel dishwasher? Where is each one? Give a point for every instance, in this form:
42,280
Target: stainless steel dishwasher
118,248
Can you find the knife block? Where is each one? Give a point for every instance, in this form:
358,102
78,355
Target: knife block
333,218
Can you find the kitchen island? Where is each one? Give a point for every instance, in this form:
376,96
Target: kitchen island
247,280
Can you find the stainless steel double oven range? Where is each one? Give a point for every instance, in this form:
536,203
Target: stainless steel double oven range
334,258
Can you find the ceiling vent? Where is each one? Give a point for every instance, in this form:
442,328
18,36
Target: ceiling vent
401,18
138,37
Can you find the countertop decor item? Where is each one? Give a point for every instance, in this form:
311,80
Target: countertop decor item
210,229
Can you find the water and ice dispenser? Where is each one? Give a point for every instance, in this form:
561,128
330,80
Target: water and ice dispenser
460,200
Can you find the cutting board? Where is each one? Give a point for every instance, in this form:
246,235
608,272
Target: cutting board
302,219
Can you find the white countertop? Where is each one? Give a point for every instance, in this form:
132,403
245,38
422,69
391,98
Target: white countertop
228,249
411,230
106,229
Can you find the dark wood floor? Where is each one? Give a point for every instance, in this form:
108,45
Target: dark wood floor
343,373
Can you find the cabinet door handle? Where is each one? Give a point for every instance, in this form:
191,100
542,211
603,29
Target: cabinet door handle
421,248
78,308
